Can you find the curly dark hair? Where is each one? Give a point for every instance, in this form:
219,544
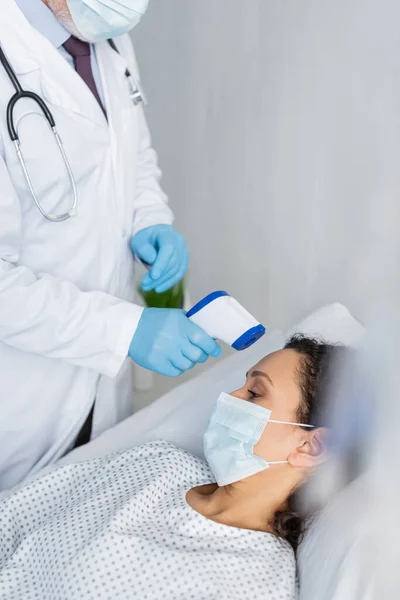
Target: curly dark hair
314,379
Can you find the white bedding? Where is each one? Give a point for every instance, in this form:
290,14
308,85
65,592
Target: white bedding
120,527
181,416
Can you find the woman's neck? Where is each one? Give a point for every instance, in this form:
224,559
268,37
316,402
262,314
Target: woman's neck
247,504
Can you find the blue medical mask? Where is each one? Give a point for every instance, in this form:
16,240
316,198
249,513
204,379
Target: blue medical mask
235,428
104,19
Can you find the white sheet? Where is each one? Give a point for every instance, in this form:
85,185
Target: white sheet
181,416
120,527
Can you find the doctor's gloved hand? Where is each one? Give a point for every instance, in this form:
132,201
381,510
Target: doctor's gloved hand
166,251
167,342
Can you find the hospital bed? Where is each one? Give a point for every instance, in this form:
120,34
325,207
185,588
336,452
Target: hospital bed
181,416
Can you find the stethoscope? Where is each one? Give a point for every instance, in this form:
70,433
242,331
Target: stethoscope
135,95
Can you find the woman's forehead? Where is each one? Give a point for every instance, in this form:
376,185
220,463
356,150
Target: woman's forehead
282,363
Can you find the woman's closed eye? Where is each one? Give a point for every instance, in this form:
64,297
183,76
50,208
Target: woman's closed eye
253,395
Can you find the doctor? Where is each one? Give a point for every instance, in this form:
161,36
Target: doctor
67,318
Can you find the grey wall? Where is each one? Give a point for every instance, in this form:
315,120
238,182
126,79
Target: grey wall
277,125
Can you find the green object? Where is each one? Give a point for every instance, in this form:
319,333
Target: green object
173,298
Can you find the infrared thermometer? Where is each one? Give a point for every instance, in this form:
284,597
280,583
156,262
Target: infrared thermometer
225,319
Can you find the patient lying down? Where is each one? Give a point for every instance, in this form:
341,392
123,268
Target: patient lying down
151,523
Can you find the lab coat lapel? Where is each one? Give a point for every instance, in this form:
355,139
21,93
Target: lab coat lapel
71,93
29,51
122,118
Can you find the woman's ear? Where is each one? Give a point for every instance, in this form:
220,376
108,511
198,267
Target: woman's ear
311,452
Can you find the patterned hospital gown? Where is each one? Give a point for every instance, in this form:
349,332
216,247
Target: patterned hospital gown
120,528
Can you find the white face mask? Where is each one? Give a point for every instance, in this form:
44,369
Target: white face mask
99,20
235,428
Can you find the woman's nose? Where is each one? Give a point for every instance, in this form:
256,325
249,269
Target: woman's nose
239,394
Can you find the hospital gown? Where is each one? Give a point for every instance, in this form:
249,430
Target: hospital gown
120,528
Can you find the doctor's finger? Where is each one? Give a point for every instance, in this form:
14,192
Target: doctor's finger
168,369
147,254
150,283
182,363
200,338
172,278
172,371
194,353
164,256
167,282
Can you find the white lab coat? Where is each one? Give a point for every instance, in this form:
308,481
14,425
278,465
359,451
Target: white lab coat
66,289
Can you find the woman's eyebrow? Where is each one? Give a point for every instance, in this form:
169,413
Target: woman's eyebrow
260,374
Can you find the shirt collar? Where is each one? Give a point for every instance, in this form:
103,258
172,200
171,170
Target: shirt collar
44,21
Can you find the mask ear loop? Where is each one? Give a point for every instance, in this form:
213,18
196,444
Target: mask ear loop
285,462
289,423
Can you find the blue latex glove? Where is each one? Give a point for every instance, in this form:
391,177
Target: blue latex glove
166,251
167,342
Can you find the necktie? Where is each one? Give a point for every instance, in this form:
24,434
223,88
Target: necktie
80,52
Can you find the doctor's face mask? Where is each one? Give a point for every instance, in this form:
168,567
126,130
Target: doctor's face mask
98,20
269,419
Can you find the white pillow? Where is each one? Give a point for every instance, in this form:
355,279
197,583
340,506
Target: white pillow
331,559
333,323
